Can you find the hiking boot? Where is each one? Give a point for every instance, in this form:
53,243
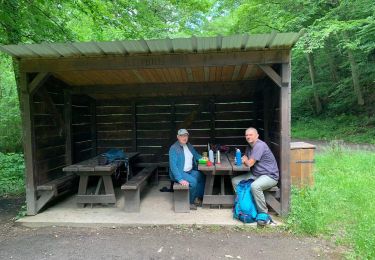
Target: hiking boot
193,207
198,202
263,223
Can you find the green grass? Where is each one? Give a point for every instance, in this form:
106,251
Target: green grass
341,204
348,128
12,180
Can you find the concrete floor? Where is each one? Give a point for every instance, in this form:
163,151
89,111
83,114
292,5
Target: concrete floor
156,209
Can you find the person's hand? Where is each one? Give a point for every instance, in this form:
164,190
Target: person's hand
184,183
244,159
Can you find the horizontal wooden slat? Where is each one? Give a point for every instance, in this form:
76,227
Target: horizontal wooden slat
232,115
48,141
113,110
153,125
114,143
51,163
154,117
150,109
114,126
111,135
234,106
113,119
50,152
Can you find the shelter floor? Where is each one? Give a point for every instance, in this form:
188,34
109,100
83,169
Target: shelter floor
156,209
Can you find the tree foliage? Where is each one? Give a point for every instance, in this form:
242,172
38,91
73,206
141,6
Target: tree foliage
338,44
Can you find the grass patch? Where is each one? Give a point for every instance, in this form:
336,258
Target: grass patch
12,177
352,129
340,205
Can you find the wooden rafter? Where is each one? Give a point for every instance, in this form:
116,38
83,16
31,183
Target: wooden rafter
272,74
37,82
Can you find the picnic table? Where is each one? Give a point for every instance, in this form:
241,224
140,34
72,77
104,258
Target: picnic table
220,170
91,167
229,167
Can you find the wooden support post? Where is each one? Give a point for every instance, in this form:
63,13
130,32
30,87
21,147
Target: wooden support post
285,102
93,126
68,127
29,144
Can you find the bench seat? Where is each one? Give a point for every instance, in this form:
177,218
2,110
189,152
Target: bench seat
181,198
132,189
54,188
271,195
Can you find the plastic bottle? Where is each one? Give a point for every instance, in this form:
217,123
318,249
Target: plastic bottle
238,157
211,156
218,159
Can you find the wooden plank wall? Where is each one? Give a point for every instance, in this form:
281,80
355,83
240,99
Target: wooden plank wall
149,126
268,116
84,140
49,137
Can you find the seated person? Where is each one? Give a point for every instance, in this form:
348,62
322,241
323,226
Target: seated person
183,168
264,170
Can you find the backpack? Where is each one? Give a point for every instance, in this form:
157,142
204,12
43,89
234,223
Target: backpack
244,208
114,156
111,156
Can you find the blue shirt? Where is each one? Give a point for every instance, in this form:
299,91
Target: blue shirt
177,160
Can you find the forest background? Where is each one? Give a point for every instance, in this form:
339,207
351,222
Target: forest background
333,86
333,63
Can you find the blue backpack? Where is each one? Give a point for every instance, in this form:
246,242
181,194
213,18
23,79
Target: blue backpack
112,156
244,208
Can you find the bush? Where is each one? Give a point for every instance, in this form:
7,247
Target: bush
12,177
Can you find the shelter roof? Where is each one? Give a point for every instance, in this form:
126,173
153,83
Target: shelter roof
242,42
157,61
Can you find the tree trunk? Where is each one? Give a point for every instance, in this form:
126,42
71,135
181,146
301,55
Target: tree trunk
355,77
354,71
310,60
331,61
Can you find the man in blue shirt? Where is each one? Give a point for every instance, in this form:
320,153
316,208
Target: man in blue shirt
183,167
264,170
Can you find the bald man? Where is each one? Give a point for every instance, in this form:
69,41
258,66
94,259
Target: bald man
264,170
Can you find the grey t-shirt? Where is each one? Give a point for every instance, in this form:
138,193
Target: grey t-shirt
265,160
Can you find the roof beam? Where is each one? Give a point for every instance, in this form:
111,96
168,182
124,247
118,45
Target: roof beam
247,87
272,74
155,61
37,82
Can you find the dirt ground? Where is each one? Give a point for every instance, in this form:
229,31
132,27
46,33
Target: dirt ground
153,242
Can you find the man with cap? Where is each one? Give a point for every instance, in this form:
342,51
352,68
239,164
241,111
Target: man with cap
183,167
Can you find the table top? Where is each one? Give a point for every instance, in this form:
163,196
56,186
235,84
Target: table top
236,168
227,164
223,166
91,165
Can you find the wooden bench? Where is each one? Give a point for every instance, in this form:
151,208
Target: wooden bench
181,198
132,189
271,195
54,188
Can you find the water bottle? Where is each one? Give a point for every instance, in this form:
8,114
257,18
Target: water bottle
211,156
238,157
218,160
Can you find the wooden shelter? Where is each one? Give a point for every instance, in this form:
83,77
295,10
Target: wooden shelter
80,99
